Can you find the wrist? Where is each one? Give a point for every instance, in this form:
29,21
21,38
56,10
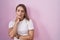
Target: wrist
16,22
18,36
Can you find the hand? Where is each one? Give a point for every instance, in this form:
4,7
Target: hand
18,17
17,20
11,34
21,38
17,36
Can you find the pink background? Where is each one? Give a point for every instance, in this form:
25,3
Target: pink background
44,13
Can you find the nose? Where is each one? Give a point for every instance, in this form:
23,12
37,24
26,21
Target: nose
20,14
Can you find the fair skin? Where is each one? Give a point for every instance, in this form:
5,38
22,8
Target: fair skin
13,31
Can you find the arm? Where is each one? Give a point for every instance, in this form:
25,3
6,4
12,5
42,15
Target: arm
10,32
13,30
10,29
29,36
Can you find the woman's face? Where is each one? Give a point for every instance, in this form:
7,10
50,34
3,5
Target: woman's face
20,12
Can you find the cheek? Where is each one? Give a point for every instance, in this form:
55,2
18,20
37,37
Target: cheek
23,14
18,13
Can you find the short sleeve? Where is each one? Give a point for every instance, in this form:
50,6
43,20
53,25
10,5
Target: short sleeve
11,23
30,25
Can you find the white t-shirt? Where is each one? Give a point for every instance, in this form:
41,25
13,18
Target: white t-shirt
23,27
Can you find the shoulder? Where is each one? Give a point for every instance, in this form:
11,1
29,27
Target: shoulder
11,23
29,21
30,24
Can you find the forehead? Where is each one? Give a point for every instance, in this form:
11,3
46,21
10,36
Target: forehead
20,8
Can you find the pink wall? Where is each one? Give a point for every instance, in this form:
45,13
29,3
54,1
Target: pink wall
44,13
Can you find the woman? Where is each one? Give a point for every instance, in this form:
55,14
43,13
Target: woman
22,27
